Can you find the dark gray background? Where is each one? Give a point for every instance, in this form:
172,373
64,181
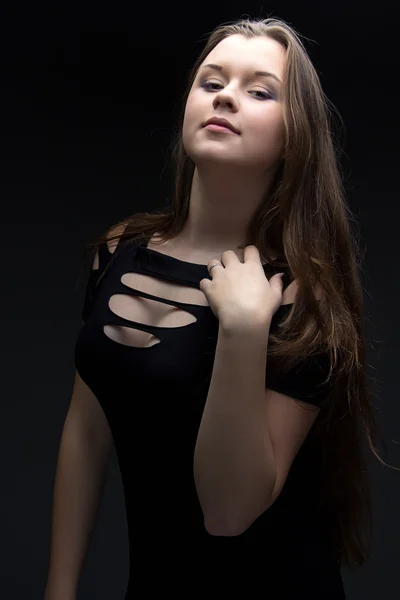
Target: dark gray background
87,98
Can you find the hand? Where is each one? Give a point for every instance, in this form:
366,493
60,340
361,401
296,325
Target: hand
239,293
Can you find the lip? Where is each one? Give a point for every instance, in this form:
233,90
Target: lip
222,123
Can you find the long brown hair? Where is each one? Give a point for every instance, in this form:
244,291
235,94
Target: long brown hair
307,220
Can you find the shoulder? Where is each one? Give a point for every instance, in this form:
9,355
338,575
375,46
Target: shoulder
113,236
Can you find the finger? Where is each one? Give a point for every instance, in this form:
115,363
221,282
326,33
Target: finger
203,285
276,280
229,256
251,252
213,265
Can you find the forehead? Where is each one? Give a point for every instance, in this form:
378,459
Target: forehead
239,53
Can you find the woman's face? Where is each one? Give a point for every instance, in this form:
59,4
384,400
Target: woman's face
252,103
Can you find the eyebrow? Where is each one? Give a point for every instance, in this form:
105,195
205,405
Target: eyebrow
261,73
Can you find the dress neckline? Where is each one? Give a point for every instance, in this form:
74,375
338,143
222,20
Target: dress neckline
176,269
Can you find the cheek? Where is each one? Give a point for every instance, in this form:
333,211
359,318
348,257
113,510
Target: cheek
272,119
193,106
272,125
195,113
264,138
189,118
190,124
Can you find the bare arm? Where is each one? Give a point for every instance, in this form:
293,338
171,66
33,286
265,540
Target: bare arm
234,465
249,435
84,454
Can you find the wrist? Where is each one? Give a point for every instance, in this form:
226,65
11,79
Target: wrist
250,328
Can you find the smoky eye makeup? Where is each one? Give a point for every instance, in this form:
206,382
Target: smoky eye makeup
263,93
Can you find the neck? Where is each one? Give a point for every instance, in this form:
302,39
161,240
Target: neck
221,208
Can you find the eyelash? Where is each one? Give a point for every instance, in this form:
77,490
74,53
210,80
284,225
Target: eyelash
206,84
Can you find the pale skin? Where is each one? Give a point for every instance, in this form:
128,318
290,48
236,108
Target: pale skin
233,172
248,435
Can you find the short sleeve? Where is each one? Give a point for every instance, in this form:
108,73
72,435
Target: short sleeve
93,281
306,381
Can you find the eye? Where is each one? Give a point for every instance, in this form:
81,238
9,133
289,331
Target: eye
207,85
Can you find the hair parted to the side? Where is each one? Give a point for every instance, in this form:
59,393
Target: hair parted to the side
307,220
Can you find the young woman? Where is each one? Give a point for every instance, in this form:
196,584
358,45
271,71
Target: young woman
234,395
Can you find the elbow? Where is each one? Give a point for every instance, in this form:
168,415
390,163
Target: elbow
222,526
230,525
236,522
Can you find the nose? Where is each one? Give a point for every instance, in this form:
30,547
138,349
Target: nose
225,96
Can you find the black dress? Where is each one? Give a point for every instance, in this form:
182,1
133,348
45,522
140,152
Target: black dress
153,396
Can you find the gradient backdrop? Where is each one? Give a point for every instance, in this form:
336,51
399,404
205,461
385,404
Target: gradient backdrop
88,96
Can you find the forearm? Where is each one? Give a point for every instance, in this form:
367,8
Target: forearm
80,477
233,460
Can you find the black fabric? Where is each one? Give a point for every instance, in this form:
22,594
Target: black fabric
153,399
306,381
